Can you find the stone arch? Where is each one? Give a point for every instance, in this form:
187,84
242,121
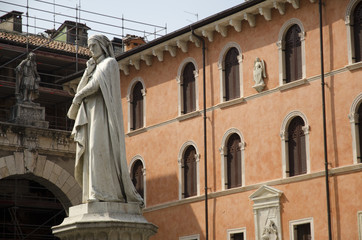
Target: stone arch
36,167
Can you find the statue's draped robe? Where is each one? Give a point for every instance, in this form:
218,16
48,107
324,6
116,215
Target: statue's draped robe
101,166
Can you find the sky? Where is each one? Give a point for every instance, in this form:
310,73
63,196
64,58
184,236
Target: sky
173,14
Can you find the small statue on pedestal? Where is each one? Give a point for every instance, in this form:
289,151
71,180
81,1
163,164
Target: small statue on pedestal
259,74
27,80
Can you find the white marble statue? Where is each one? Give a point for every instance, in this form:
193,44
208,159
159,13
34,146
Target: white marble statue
101,166
259,74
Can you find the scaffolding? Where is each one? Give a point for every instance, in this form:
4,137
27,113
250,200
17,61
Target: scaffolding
54,64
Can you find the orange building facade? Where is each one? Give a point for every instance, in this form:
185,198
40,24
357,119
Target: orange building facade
264,123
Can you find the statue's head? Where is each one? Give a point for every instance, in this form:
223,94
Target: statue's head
31,56
100,45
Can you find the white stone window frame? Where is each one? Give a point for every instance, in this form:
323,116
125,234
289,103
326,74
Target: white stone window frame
284,140
181,172
221,67
230,232
179,80
129,102
131,165
359,222
190,237
223,152
353,119
294,223
350,35
281,54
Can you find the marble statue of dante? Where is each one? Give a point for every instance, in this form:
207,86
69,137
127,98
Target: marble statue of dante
101,166
259,71
27,80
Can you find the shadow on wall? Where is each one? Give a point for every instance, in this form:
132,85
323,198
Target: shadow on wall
173,221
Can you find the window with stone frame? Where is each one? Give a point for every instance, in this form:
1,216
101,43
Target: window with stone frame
188,89
137,106
232,75
189,172
233,161
137,177
301,229
359,140
297,147
357,32
293,54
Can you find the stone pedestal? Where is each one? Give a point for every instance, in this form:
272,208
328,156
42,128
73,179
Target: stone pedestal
259,87
106,221
29,114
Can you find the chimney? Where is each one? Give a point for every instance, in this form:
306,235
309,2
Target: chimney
132,41
11,22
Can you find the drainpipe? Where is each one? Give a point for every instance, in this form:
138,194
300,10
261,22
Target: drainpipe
205,142
324,123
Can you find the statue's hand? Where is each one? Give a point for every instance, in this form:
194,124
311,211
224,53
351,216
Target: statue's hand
91,65
77,100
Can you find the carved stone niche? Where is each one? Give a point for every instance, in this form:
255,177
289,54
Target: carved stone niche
267,213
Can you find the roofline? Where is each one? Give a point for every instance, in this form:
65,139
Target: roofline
194,26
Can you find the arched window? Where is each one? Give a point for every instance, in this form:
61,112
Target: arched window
233,161
294,134
359,125
357,32
189,172
137,106
188,89
291,51
137,177
232,75
355,119
293,54
297,147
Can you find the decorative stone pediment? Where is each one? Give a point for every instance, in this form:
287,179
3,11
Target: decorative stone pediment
267,213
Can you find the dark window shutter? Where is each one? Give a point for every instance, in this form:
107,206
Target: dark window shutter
137,177
233,161
297,147
237,236
232,77
189,92
293,54
137,106
303,232
357,32
190,186
359,157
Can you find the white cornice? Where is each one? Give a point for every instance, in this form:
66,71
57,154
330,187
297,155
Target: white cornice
181,43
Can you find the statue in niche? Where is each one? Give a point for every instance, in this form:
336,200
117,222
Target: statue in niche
259,74
101,166
27,80
270,231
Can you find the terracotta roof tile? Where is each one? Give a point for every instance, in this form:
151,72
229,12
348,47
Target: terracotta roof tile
46,42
